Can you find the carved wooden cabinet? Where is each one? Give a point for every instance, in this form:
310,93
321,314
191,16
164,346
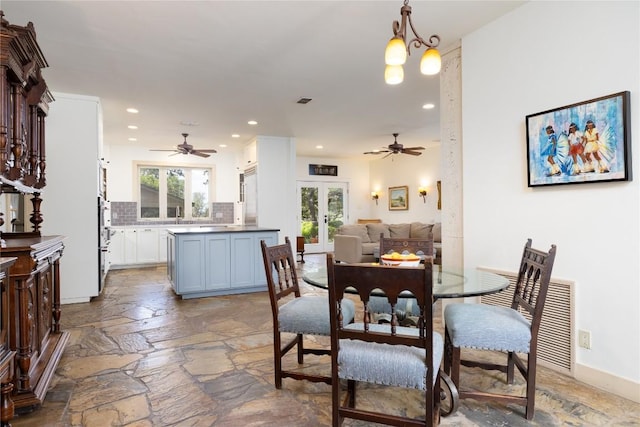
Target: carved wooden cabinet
34,306
24,98
6,354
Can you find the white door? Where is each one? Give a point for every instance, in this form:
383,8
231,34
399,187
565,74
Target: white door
321,210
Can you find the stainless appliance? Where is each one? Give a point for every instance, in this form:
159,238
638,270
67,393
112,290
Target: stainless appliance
251,196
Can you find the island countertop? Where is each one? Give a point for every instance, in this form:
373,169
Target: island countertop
209,229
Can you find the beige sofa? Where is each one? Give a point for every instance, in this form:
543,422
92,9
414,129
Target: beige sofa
357,242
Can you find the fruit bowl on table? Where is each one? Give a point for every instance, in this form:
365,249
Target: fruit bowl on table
400,260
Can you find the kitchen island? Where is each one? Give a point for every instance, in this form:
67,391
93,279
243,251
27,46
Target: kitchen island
217,260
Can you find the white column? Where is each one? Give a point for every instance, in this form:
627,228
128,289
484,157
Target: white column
451,157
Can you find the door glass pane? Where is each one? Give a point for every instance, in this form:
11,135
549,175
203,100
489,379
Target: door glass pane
175,193
335,210
309,214
200,193
149,192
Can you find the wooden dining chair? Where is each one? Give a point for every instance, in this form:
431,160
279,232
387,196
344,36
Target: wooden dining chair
421,247
294,313
513,330
387,354
405,308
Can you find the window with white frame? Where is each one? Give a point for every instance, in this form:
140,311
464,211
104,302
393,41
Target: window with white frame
166,192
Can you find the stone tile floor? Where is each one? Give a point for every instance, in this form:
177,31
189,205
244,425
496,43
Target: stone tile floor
139,356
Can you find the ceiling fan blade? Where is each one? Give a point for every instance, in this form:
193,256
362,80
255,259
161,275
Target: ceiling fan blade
199,153
411,153
376,152
390,153
205,150
414,148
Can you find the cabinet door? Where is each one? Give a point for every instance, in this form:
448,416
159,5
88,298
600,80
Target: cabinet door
130,246
147,245
218,273
162,245
116,247
190,263
271,239
242,259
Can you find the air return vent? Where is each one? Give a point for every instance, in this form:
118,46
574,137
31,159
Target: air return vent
555,338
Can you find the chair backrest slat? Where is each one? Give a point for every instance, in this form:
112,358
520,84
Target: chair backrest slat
530,292
279,262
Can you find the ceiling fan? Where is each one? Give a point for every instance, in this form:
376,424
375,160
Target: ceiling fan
186,148
396,148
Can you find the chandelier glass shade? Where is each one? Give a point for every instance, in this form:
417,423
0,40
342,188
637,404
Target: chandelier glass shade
398,49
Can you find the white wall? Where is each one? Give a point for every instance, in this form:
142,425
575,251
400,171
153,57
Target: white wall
121,176
355,172
541,56
412,171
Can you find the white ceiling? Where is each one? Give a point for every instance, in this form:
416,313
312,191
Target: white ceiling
222,63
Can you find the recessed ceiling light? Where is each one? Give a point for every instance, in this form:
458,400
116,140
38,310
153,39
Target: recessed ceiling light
223,145
235,135
319,147
133,139
189,123
428,106
252,122
132,110
132,127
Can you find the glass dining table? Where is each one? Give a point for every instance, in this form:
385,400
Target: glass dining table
447,282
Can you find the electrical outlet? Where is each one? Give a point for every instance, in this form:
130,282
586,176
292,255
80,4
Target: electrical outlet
584,339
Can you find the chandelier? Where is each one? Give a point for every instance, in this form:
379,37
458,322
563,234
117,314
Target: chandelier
395,55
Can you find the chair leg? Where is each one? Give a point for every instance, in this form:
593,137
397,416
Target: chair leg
277,360
510,366
351,389
300,349
531,386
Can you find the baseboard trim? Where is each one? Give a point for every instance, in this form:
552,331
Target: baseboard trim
617,385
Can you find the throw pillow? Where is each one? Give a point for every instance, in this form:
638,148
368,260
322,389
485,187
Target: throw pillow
375,230
420,230
399,231
355,230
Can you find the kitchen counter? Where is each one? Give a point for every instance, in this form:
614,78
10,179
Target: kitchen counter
207,229
217,260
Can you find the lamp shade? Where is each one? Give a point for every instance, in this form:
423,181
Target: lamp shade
396,52
393,74
431,62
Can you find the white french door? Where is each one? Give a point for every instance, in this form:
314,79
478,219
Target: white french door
322,208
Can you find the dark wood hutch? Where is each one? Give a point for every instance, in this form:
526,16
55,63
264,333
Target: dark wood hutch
31,340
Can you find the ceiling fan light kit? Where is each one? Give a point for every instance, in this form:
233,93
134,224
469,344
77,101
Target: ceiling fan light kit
186,148
398,49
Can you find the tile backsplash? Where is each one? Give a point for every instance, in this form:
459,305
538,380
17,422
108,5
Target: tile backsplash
126,213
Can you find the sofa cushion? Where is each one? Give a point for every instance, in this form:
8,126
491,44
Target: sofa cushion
355,230
437,232
399,231
374,231
420,230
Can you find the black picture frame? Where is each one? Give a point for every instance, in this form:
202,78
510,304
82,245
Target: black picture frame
585,142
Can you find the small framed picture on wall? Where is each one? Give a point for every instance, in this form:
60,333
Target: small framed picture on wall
399,198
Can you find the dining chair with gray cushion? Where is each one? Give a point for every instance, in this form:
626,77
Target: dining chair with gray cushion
405,308
294,313
512,330
385,354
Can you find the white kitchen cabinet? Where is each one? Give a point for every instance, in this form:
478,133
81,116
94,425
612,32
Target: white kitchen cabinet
116,247
147,245
130,246
162,245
